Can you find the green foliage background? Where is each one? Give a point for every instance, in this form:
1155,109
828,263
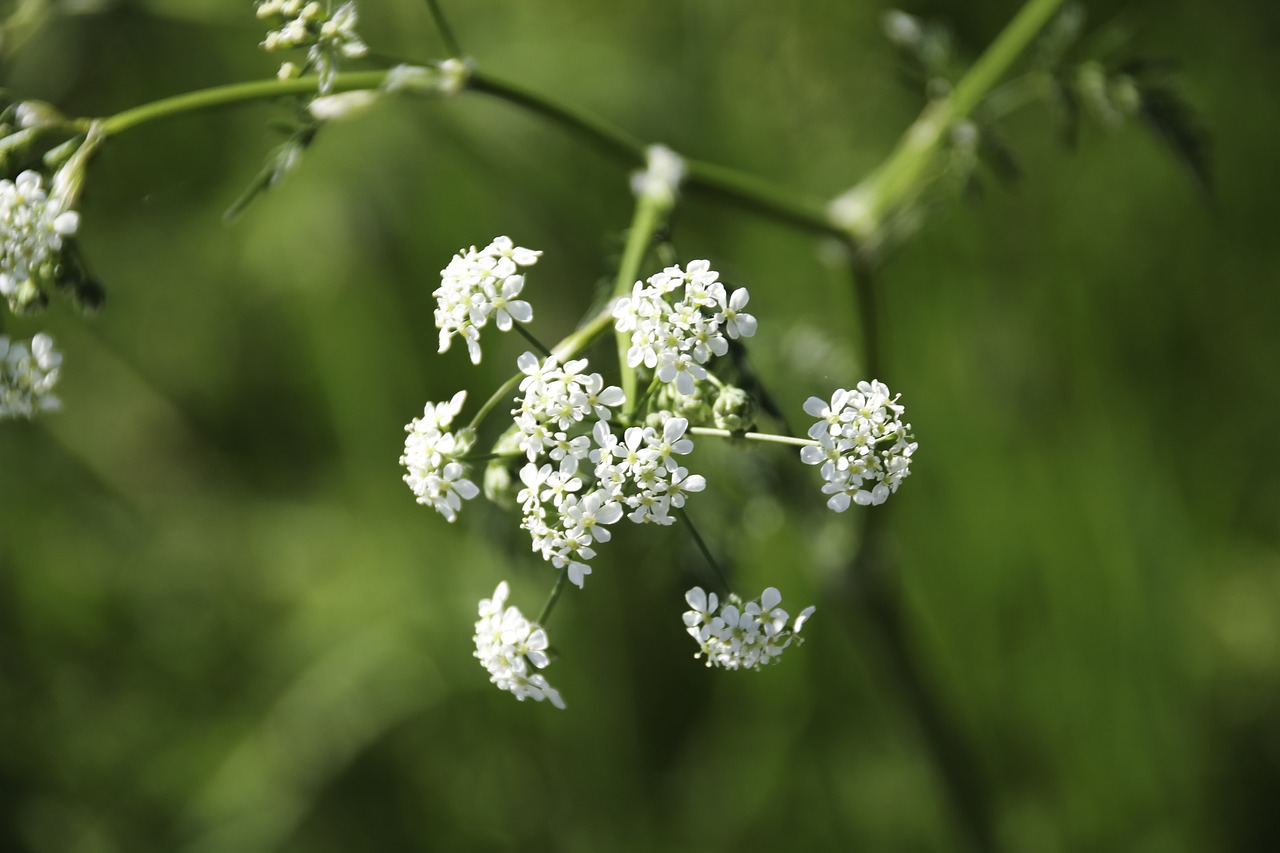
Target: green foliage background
226,626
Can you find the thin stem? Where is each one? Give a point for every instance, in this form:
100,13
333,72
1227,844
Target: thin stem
497,396
754,436
608,136
706,551
644,224
446,32
864,288
533,341
553,597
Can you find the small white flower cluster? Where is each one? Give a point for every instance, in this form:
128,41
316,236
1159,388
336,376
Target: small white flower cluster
33,224
431,453
27,377
863,446
511,647
480,284
660,180
566,507
741,636
678,322
327,35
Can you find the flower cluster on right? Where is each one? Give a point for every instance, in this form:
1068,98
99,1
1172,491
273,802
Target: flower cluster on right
863,446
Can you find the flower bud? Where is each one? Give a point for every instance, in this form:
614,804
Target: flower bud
735,409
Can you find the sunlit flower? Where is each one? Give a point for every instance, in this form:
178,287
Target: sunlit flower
511,647
741,635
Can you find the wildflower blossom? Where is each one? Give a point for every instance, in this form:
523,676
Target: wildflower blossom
863,446
27,376
511,647
679,320
328,35
432,454
477,285
741,635
660,180
33,226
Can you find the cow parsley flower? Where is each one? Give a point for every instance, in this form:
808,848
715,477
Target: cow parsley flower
863,446
27,376
477,285
33,226
432,456
741,635
511,648
328,34
679,320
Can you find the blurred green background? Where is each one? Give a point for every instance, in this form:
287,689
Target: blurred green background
226,626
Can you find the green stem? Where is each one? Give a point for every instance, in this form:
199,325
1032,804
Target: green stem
553,598
533,341
754,436
706,552
644,224
235,93
568,347
446,32
863,209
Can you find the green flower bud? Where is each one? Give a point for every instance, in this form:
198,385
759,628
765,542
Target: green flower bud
735,409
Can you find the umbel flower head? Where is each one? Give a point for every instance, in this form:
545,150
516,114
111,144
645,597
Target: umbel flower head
432,453
328,34
863,446
678,321
478,285
27,376
741,635
511,648
33,227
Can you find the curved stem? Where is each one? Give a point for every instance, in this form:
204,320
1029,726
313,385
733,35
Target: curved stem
552,598
706,551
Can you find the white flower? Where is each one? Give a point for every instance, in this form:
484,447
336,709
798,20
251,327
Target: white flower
432,454
863,446
678,322
510,647
479,284
27,376
328,37
662,176
738,635
33,225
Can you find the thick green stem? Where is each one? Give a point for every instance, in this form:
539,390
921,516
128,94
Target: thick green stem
862,210
644,224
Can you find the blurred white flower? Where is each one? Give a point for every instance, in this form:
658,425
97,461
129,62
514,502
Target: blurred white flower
27,376
510,647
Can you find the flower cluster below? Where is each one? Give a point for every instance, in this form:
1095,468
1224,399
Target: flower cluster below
432,453
511,648
33,226
738,635
478,285
27,376
863,446
328,35
678,321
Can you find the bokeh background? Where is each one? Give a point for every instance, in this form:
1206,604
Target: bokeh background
226,626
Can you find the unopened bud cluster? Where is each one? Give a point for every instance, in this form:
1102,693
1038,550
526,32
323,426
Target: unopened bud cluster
28,373
328,34
741,635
